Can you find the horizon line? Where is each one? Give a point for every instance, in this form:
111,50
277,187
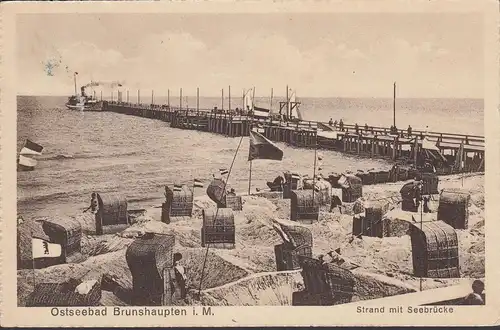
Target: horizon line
174,97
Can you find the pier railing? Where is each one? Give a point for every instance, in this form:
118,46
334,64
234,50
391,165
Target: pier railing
374,142
447,139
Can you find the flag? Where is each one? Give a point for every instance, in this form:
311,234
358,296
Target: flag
295,176
26,163
262,148
76,72
31,148
198,183
261,112
43,249
223,171
177,187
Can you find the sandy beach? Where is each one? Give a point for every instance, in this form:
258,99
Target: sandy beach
385,264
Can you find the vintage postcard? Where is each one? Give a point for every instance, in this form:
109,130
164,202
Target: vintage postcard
250,163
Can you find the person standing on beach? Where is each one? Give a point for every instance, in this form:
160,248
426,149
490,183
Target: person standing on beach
180,275
477,295
93,204
335,202
426,205
418,193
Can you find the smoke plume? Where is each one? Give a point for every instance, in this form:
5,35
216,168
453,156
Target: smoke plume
111,84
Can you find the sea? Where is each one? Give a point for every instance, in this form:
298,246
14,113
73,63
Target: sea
106,152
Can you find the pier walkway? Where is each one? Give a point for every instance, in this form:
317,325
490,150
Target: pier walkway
375,142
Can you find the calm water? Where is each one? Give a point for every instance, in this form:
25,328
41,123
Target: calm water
109,152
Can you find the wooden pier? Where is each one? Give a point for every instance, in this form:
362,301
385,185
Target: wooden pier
374,142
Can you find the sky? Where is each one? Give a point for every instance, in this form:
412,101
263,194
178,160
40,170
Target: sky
429,55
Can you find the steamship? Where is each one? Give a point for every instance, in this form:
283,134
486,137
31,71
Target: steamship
84,102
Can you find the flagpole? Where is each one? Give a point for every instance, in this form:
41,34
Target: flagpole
462,152
74,78
216,213
33,260
421,225
250,179
197,99
287,103
394,106
249,136
271,102
315,158
222,99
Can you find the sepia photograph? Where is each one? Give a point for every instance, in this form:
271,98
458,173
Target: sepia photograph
279,158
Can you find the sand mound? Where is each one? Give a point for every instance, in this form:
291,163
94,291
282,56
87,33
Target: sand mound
218,271
373,286
112,264
472,253
96,245
87,221
201,203
271,289
276,289
384,265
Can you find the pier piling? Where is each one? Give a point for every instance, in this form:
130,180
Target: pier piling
375,142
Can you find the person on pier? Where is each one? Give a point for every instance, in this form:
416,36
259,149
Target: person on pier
330,122
341,125
335,123
356,128
408,131
366,127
